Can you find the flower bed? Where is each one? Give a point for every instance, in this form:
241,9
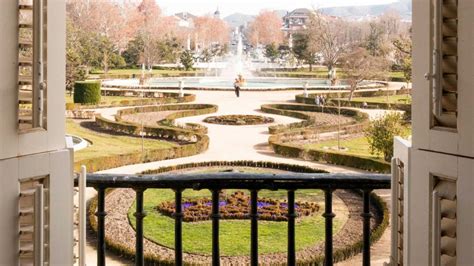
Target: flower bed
236,207
239,120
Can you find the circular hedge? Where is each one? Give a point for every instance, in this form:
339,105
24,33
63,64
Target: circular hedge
87,92
239,120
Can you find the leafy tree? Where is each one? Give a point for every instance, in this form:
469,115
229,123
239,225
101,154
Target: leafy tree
133,52
272,52
75,70
206,55
381,132
187,60
303,50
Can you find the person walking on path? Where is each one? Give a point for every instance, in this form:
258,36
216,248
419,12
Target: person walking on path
237,87
239,82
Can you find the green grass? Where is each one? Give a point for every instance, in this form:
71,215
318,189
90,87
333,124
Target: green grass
383,99
356,146
106,144
234,234
130,71
324,71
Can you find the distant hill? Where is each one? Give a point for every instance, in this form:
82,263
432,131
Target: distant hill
404,7
238,19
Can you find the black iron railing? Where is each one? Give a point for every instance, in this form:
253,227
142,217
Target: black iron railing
252,182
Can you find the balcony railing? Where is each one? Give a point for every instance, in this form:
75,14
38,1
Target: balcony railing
215,182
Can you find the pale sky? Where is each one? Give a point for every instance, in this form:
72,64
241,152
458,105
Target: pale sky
252,7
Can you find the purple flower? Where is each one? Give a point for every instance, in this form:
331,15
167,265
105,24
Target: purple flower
187,205
261,204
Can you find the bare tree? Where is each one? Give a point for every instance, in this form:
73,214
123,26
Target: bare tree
210,31
359,65
265,29
330,36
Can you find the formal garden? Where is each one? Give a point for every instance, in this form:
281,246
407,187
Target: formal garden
226,100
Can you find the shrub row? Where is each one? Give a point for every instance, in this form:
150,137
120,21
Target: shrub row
193,143
284,134
377,105
259,164
354,161
185,110
167,98
300,98
298,111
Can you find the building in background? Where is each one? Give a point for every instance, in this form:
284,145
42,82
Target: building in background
296,20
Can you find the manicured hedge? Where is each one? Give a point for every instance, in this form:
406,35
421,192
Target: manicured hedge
300,98
283,135
167,98
87,92
281,147
298,111
185,110
260,164
192,143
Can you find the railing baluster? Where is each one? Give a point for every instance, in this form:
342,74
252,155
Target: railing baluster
291,260
139,215
366,215
178,225
254,227
101,226
215,228
329,216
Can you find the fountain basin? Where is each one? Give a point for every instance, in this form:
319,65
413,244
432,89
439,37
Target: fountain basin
252,84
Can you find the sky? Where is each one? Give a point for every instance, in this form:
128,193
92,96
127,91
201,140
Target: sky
252,7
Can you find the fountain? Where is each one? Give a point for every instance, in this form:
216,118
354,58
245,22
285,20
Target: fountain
236,65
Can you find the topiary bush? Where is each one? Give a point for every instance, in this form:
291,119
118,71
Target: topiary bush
87,92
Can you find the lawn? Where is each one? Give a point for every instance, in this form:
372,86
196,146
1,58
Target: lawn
383,99
324,71
106,144
136,71
356,146
234,234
